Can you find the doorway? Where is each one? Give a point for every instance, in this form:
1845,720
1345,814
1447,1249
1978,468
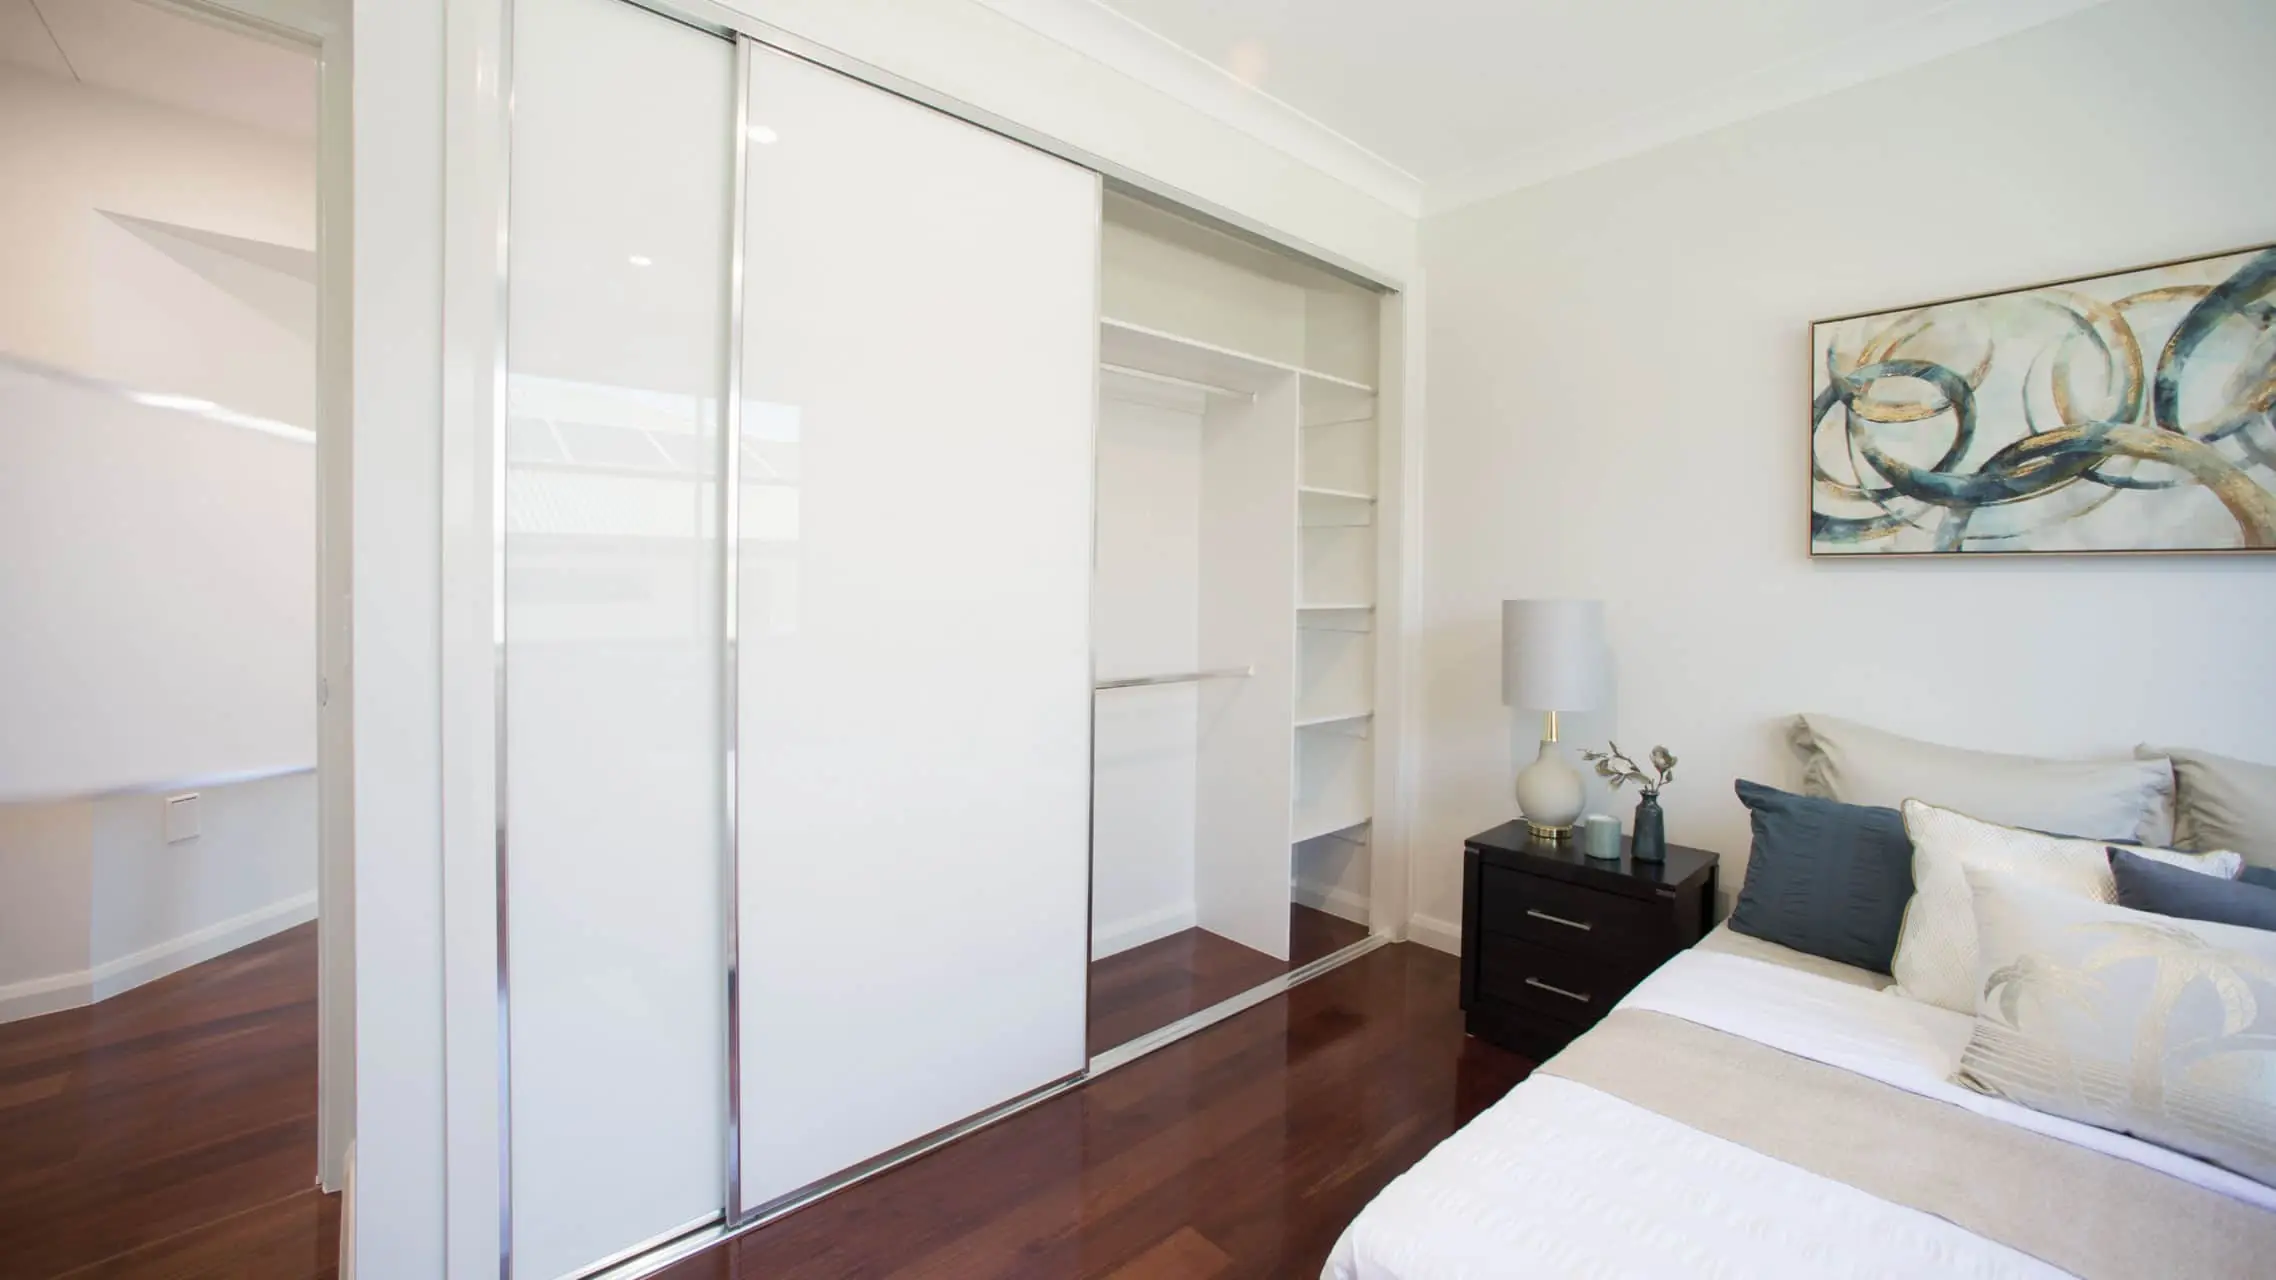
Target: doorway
172,765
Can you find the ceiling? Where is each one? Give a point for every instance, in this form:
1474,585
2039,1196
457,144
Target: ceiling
1437,103
166,57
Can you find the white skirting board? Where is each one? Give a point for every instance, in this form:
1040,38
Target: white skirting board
1115,936
1437,934
1338,902
56,992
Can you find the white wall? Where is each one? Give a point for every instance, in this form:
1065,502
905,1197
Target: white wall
45,856
161,575
160,586
249,872
160,582
1618,379
63,299
1146,621
94,901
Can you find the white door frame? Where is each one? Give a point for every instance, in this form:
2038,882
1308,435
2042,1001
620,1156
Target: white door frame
321,27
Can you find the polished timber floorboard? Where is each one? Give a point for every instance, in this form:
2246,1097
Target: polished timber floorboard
1149,987
169,1134
170,1131
1240,1151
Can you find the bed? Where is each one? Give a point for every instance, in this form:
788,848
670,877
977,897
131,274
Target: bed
1754,1111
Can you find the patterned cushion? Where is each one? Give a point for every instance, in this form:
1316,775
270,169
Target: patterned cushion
1936,947
2161,1028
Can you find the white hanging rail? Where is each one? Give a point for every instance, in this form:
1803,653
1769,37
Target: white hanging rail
1180,677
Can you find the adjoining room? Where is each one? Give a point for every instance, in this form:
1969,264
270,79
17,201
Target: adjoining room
160,798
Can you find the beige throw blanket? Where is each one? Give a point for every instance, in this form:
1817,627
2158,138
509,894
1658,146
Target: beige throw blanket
2091,1214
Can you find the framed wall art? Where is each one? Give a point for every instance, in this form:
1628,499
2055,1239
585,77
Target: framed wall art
2129,412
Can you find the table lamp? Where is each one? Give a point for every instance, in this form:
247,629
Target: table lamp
1552,661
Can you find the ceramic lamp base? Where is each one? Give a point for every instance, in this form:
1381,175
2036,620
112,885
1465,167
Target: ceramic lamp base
1550,793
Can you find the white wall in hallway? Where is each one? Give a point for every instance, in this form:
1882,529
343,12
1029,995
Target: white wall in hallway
1619,373
161,574
95,901
159,584
60,301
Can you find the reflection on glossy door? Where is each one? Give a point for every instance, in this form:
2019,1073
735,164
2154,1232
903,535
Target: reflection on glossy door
914,662
617,323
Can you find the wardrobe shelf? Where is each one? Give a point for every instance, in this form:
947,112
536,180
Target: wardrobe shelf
1136,347
1333,402
1321,508
1327,822
1334,717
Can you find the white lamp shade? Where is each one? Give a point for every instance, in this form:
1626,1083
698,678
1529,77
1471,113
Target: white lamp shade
1552,654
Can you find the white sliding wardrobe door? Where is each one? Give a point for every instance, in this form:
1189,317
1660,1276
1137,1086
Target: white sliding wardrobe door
919,350
615,879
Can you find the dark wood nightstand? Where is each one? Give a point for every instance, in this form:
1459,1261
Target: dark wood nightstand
1551,938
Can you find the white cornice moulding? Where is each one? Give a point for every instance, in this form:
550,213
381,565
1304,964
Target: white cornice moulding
1897,46
1122,44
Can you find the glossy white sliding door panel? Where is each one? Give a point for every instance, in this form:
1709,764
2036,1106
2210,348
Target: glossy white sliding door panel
920,323
617,335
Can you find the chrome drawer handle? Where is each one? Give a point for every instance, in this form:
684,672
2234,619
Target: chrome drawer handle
1556,991
1570,924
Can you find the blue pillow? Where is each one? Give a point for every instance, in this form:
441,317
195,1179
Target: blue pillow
2145,884
1828,878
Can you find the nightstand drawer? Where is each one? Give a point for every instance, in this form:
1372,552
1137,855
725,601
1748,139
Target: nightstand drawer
1567,985
1565,917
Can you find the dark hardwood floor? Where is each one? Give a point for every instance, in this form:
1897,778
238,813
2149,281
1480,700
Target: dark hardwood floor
170,1131
1241,1151
1149,987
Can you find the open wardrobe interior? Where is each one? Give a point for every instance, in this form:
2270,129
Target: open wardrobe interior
1234,619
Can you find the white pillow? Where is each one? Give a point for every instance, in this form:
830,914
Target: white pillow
2121,799
1936,945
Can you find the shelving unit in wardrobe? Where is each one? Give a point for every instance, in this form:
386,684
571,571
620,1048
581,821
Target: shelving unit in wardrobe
1335,634
1238,433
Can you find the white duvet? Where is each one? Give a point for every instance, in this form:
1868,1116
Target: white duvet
1558,1179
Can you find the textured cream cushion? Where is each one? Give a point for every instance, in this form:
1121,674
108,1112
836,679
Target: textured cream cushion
2148,1025
1936,947
2130,800
2222,803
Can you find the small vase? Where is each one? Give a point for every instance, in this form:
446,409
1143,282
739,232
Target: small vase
1650,842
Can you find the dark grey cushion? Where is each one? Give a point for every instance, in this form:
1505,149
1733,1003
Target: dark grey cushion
2265,877
1825,877
2145,884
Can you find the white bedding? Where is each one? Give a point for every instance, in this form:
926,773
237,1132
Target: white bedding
1558,1179
1883,1036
